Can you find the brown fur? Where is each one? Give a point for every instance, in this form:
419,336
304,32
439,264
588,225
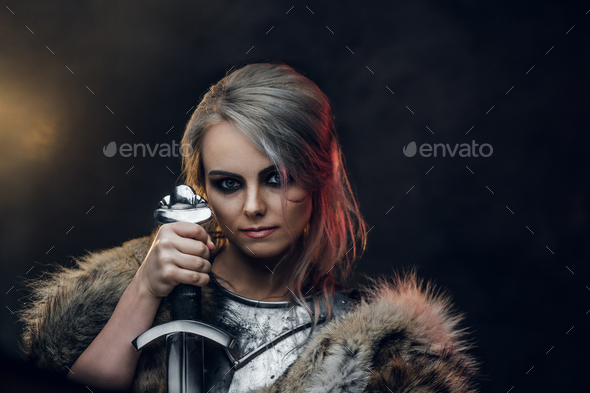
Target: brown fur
403,337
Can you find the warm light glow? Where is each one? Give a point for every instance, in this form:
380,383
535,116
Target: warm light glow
28,128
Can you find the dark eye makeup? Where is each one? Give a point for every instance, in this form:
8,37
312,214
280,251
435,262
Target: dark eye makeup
229,184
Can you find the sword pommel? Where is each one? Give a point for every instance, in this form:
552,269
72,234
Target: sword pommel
183,205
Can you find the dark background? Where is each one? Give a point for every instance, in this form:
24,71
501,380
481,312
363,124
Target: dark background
525,292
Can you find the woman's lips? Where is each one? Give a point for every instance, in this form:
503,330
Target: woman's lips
259,234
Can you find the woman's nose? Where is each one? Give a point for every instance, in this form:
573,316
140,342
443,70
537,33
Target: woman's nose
254,203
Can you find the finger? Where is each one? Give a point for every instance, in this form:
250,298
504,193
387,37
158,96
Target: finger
183,276
191,247
191,231
191,262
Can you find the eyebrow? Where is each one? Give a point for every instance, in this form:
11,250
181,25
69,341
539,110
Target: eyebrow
225,173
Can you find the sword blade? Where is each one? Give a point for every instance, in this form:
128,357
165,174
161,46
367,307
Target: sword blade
185,363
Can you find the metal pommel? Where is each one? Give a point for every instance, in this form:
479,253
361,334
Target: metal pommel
184,205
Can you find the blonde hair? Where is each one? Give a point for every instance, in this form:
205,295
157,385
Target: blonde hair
288,119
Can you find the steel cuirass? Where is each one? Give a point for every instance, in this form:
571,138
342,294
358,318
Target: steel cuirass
270,336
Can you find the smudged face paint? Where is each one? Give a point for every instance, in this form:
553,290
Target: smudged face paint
244,192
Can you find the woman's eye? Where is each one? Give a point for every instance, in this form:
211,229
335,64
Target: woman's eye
228,184
277,178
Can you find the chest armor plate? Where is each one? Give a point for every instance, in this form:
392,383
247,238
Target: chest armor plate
270,336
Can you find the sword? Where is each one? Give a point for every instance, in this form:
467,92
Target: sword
185,332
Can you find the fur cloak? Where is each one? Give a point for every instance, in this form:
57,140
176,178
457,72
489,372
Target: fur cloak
400,337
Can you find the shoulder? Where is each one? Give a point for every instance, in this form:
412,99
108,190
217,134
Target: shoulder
95,265
347,298
398,334
129,255
67,308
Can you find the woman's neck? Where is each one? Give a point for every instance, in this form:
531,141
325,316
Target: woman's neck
251,277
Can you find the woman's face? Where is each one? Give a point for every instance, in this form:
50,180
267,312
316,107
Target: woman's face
243,190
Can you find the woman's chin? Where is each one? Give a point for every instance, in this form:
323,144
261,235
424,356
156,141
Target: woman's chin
263,250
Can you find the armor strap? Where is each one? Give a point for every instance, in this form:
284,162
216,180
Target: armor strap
239,363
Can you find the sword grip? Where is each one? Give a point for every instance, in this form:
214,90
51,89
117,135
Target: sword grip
185,303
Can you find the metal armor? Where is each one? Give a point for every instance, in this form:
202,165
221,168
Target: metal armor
270,336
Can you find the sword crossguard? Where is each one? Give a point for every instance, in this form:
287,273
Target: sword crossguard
184,326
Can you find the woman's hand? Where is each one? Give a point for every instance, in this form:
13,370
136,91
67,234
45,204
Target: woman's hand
179,254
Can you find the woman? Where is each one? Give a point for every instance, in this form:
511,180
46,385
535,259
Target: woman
275,259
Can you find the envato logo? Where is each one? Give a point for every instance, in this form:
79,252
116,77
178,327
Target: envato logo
137,149
439,149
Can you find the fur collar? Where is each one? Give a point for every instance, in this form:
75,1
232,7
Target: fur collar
401,337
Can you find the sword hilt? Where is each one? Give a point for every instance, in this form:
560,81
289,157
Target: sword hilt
185,303
184,333
184,205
